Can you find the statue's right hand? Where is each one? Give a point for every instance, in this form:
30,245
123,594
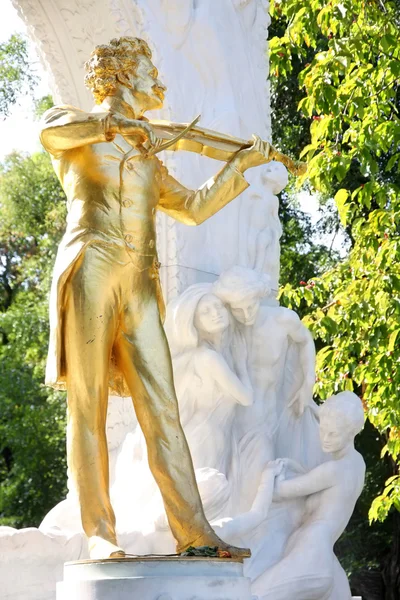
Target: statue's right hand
139,130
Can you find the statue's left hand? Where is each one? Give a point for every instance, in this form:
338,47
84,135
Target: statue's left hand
256,155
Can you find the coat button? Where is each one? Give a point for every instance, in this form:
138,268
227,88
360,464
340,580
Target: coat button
151,243
129,166
127,203
128,238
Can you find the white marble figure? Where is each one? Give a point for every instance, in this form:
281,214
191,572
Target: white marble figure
260,227
199,331
281,361
308,568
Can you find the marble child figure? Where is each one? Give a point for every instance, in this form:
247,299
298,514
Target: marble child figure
106,307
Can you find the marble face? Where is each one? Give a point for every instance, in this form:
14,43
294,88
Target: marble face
334,433
211,316
146,86
245,311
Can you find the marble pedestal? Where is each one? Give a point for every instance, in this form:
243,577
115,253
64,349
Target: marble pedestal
154,578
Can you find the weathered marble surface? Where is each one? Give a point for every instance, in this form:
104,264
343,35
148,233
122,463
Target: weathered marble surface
154,580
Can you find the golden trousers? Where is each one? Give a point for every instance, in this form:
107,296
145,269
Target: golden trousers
111,310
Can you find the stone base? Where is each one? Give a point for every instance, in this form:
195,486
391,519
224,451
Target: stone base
154,578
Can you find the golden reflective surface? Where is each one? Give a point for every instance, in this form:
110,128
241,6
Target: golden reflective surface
106,308
213,144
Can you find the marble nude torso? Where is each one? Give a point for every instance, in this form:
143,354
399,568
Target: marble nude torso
267,342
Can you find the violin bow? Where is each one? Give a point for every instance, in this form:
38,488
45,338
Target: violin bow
296,167
159,147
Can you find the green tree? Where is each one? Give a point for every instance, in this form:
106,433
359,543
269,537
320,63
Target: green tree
302,257
345,56
16,74
32,417
43,104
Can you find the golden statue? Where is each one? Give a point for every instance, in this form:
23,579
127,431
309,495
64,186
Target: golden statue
106,308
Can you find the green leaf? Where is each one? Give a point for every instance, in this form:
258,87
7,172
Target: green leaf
392,339
392,161
341,202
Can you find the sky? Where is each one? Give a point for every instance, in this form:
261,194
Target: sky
20,130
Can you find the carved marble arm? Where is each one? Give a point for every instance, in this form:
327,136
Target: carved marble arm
226,379
293,465
247,522
320,478
194,207
300,335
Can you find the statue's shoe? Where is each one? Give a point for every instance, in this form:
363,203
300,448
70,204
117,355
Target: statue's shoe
212,540
100,548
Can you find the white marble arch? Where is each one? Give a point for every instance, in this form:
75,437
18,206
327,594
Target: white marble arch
213,58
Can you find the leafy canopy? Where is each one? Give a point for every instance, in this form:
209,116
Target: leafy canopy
16,75
32,418
350,90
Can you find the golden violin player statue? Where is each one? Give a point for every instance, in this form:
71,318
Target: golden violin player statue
106,306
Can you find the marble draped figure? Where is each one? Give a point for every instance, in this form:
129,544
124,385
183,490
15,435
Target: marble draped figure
106,305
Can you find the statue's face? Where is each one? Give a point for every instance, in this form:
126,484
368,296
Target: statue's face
246,310
146,87
211,315
334,433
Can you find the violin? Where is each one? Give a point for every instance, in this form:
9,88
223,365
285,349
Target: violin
192,138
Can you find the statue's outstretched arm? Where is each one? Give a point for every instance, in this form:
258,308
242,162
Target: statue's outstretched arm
194,207
245,523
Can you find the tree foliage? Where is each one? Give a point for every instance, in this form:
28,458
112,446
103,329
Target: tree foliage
42,104
16,75
302,255
345,55
32,418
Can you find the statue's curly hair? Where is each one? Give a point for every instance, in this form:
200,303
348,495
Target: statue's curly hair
107,61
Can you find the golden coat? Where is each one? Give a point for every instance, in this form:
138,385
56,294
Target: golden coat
113,192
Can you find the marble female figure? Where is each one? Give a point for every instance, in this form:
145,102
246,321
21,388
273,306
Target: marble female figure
198,327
